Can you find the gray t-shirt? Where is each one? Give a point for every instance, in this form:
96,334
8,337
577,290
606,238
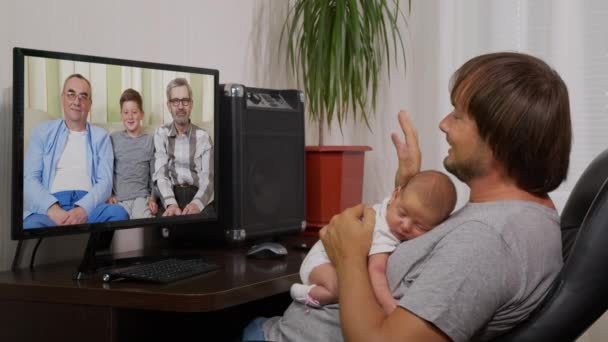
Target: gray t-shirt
474,276
133,165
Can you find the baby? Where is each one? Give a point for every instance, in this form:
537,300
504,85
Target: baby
412,210
133,160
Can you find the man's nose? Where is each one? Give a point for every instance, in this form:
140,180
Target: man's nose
443,124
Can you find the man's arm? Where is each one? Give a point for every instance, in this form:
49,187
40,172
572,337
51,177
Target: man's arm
36,198
347,240
161,171
151,197
377,275
408,151
204,170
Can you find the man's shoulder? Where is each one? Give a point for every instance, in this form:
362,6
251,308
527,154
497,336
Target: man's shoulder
96,130
49,125
163,130
47,129
200,132
514,223
499,213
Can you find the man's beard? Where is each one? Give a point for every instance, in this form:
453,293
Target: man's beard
181,119
465,170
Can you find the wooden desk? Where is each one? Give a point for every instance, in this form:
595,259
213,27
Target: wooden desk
47,305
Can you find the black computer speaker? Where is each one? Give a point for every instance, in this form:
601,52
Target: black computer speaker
262,162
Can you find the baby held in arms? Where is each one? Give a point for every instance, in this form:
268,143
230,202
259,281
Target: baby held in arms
411,211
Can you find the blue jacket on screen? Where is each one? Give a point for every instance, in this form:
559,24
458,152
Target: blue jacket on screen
46,145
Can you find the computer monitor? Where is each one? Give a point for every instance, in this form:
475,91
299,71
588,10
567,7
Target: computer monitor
100,143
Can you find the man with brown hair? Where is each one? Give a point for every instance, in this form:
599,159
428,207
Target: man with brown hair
484,269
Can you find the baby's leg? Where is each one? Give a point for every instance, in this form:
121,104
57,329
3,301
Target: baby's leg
326,280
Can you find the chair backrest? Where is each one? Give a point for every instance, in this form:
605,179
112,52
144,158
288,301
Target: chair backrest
579,294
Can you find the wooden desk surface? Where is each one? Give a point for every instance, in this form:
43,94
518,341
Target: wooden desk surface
240,280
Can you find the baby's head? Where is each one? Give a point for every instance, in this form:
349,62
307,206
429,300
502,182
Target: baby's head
131,112
427,199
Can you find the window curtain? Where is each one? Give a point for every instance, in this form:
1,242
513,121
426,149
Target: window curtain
45,77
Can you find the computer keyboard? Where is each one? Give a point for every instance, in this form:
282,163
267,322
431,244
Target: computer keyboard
163,271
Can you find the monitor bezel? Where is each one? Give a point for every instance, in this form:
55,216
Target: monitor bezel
209,215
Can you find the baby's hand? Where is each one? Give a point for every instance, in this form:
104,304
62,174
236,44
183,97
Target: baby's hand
112,200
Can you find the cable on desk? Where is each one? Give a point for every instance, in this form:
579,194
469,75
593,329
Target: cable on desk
33,257
17,256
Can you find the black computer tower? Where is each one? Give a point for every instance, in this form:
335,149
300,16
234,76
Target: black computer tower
262,171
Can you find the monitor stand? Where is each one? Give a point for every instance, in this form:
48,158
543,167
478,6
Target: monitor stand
89,262
92,262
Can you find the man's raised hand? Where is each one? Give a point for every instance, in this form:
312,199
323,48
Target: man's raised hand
408,150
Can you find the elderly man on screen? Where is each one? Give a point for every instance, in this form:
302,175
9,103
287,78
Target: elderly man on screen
184,157
68,166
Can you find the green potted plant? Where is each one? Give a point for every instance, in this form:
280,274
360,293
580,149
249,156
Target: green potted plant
337,49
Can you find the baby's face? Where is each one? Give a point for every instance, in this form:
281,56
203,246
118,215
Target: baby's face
131,116
407,218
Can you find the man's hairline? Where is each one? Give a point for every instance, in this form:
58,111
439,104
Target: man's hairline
82,78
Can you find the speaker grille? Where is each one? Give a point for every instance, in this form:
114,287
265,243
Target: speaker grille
274,169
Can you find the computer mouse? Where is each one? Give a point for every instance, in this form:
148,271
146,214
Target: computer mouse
267,250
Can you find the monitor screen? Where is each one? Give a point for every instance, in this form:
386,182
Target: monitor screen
103,144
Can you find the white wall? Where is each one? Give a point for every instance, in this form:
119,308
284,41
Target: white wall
237,37
240,38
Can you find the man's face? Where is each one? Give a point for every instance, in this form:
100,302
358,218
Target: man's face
469,156
76,100
180,105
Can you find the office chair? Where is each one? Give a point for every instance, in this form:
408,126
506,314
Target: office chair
579,294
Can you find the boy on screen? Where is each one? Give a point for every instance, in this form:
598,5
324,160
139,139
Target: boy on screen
133,160
67,174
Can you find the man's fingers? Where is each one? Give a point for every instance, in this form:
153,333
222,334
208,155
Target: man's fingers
322,232
356,211
396,141
190,209
369,217
411,136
